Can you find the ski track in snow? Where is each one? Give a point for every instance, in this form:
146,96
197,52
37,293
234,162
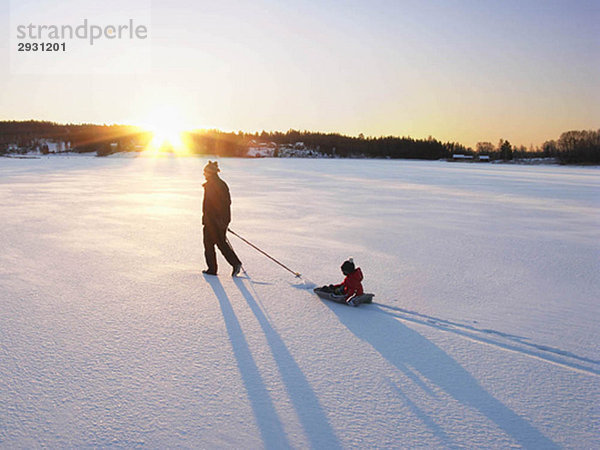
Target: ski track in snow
508,341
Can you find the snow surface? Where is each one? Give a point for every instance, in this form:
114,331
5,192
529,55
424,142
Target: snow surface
485,331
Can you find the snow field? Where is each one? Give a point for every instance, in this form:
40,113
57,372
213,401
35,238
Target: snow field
484,333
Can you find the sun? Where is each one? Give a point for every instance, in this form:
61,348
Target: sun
168,129
166,135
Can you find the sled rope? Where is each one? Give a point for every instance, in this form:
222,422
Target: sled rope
264,253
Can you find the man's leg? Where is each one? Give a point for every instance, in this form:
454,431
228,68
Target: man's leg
210,239
226,249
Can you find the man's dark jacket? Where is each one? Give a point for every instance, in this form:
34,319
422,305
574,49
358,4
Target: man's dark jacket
216,207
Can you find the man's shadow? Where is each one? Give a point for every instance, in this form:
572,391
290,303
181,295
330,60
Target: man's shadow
270,426
305,402
413,354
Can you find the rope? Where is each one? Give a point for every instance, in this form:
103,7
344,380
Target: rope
264,253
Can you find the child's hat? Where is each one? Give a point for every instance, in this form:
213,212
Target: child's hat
348,266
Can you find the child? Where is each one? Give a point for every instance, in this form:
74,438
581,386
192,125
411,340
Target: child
351,287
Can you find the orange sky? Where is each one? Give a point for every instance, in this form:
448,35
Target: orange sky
462,71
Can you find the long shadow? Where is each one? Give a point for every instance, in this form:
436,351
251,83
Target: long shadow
409,351
305,402
423,417
271,428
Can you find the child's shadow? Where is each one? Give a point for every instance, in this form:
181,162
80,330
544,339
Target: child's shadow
410,352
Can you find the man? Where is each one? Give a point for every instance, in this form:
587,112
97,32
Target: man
216,215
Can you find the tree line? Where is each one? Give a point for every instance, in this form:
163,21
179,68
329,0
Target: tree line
83,138
572,147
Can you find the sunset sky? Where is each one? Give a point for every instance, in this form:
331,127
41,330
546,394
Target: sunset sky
465,71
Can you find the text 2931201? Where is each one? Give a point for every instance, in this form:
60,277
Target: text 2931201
42,46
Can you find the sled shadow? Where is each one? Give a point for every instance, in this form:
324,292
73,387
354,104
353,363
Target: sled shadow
415,356
305,402
271,428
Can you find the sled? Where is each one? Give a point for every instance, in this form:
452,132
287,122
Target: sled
324,294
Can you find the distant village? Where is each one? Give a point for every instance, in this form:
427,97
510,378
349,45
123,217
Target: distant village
39,147
255,149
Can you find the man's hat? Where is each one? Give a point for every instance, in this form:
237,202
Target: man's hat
212,167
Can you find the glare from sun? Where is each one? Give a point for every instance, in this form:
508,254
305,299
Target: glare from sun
168,129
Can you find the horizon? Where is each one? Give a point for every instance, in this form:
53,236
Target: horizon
464,72
176,135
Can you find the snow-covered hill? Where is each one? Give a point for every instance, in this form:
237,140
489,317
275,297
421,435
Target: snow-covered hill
484,332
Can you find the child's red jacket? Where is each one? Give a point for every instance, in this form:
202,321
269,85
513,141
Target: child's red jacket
352,284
